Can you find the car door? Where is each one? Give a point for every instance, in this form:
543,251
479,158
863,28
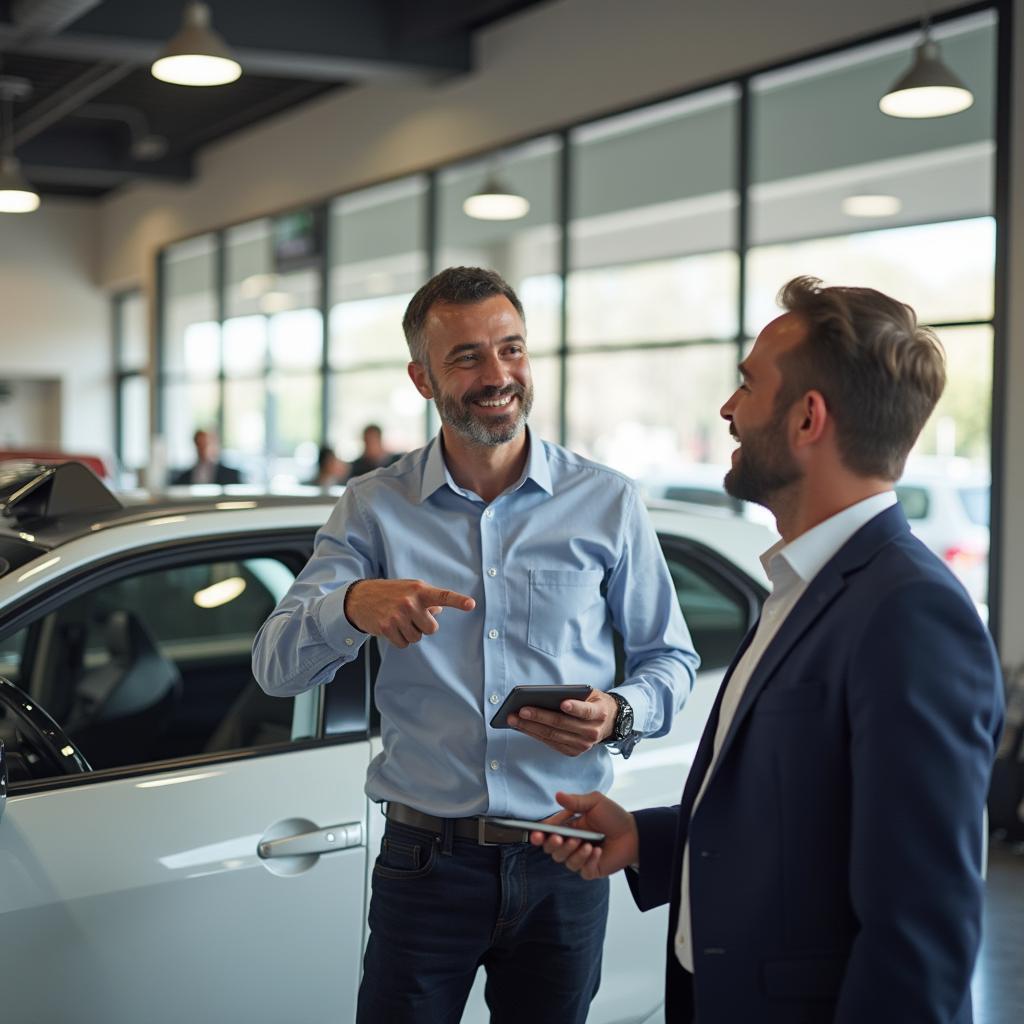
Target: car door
213,868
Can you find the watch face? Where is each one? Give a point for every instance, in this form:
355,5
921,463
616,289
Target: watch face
624,723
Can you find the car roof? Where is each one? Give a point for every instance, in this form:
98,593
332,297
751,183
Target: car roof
107,524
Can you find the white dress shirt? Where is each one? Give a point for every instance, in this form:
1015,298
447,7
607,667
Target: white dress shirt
791,568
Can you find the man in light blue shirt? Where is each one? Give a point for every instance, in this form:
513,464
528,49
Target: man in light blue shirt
535,555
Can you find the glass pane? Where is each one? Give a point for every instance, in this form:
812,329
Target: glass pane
191,338
134,446
180,640
378,259
293,423
188,407
546,377
296,339
653,412
385,397
651,188
248,267
820,142
245,345
945,271
132,332
716,613
690,298
525,251
961,423
245,427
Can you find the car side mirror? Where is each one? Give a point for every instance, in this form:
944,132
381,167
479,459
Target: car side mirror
3,779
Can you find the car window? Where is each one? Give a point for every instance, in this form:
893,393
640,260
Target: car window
716,611
975,501
156,665
914,500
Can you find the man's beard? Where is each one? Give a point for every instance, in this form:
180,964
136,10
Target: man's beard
462,417
764,465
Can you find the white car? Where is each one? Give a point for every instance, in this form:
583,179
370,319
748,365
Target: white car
177,846
947,505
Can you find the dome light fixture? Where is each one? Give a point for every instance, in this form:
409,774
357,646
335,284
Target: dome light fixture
16,196
495,201
872,206
196,55
928,88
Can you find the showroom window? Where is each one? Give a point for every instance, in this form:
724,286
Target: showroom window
378,258
648,255
653,285
131,362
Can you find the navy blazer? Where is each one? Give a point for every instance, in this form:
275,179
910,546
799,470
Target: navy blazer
835,857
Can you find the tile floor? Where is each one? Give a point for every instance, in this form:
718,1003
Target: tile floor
998,987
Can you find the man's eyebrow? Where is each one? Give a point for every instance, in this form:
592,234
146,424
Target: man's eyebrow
473,346
744,372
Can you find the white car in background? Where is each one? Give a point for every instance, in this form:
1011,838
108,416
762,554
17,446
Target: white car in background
947,504
946,501
177,846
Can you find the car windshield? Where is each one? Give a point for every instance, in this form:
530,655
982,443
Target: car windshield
976,504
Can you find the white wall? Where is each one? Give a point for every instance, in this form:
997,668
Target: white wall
559,62
54,318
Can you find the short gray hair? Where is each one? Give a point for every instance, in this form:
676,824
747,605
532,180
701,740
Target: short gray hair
457,286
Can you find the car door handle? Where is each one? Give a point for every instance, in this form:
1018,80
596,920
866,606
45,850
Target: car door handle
322,840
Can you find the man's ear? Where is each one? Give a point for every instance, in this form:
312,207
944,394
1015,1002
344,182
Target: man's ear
814,419
418,375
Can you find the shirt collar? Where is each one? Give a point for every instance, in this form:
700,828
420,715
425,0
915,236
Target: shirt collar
808,553
436,474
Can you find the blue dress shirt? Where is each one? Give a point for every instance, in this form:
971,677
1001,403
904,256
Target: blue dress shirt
554,563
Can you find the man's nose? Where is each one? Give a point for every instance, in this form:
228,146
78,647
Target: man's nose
493,372
726,411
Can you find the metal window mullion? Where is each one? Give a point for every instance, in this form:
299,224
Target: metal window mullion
1000,317
325,312
220,291
564,207
431,240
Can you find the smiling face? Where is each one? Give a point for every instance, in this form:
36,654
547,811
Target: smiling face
477,370
763,464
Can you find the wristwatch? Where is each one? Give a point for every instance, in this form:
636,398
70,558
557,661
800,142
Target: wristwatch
624,737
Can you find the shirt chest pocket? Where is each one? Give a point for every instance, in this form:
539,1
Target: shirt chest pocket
567,608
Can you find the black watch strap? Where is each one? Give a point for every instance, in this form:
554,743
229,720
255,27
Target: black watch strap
624,737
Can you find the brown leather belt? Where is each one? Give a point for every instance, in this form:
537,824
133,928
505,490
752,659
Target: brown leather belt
479,829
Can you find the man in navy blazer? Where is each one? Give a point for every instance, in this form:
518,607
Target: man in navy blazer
825,861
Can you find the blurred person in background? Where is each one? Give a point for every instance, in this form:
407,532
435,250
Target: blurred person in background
208,468
374,453
330,470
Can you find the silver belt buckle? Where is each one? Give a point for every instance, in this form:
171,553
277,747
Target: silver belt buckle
481,825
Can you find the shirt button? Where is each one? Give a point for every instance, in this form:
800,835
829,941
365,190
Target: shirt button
494,766
492,571
489,513
494,698
493,634
349,641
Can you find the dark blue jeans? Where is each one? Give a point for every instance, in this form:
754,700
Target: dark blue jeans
535,927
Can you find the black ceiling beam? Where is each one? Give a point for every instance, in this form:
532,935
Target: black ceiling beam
66,156
418,20
307,39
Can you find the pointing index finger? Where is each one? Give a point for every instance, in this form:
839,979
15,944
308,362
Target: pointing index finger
448,599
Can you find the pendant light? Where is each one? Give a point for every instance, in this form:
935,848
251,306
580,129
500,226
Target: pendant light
928,88
16,196
196,55
496,201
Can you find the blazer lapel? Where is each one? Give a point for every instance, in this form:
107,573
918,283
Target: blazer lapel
826,586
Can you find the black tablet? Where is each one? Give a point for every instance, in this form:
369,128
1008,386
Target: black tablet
540,695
